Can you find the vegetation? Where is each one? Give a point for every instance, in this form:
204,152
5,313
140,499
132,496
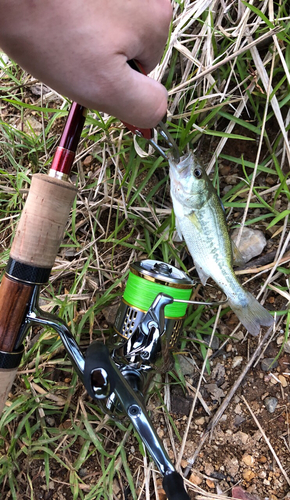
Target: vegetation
226,68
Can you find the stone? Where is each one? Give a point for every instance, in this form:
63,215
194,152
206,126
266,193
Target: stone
32,126
187,365
248,475
287,346
199,421
280,340
208,469
87,161
270,404
232,466
282,380
215,343
252,243
237,361
210,483
240,438
248,460
267,364
195,478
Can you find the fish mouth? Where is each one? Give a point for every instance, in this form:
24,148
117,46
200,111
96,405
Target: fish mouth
183,167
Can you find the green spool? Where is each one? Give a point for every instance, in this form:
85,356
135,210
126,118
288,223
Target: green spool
143,286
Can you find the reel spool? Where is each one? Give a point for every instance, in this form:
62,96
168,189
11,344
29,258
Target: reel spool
146,280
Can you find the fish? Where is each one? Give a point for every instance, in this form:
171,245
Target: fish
200,220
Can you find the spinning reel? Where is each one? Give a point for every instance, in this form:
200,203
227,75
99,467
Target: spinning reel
149,319
150,315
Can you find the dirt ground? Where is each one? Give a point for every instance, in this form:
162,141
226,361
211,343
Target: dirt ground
248,446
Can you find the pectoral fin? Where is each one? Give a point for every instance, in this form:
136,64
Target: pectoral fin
178,229
194,220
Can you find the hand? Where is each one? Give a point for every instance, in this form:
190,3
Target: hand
80,48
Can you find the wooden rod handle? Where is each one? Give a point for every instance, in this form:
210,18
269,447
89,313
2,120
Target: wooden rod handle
14,300
41,227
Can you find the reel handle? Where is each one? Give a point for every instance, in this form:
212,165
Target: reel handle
174,487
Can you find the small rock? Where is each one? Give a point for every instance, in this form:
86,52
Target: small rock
280,340
239,419
238,409
224,169
268,364
238,337
270,404
270,180
274,380
32,126
161,494
240,438
208,469
282,380
83,472
183,463
248,475
110,312
195,478
215,391
50,421
237,361
87,161
210,483
199,421
262,459
287,346
231,179
232,466
187,365
251,244
160,432
248,460
215,343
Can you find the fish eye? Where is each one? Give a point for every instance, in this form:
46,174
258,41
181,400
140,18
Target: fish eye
197,172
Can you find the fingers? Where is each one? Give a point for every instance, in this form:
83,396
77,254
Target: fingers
154,35
135,98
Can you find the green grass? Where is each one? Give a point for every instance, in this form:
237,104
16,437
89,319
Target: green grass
51,435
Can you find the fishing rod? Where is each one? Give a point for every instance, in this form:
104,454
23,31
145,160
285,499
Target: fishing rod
150,315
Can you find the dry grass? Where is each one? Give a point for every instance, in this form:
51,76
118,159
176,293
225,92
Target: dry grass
226,67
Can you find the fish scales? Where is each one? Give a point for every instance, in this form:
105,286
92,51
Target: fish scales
201,221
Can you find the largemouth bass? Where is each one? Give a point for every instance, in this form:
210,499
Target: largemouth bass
201,221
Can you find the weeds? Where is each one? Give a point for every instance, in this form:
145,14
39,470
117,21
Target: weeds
226,68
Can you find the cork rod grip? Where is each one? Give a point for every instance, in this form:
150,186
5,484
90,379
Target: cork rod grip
41,227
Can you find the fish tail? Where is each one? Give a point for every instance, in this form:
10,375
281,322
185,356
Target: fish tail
251,314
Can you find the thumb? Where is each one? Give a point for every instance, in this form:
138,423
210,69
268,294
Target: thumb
136,99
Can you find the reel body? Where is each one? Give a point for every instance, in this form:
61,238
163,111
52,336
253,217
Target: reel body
148,318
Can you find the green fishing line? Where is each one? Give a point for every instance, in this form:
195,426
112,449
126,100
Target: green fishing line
140,293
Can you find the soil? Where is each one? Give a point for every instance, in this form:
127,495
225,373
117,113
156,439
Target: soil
237,451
